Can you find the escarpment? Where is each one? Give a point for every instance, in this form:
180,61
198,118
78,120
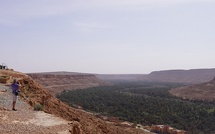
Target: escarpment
57,82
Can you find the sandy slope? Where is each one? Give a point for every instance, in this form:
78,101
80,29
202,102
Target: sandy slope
26,120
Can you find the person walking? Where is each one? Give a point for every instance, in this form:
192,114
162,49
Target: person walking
15,91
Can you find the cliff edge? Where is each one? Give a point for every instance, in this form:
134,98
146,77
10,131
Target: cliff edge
56,82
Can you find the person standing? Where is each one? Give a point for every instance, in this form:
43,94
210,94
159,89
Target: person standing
15,91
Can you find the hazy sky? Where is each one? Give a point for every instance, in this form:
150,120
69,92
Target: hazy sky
107,36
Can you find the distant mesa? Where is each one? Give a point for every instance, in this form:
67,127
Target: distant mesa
56,82
192,76
204,91
128,77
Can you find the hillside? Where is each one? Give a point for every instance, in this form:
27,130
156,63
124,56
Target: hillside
80,121
25,119
180,76
57,82
204,91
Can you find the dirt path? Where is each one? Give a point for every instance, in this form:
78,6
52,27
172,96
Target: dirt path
25,120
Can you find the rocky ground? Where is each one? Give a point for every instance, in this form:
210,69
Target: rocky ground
25,120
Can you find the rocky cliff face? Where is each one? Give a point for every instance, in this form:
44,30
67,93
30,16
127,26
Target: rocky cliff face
204,91
81,122
60,81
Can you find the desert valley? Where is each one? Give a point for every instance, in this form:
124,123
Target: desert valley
173,102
